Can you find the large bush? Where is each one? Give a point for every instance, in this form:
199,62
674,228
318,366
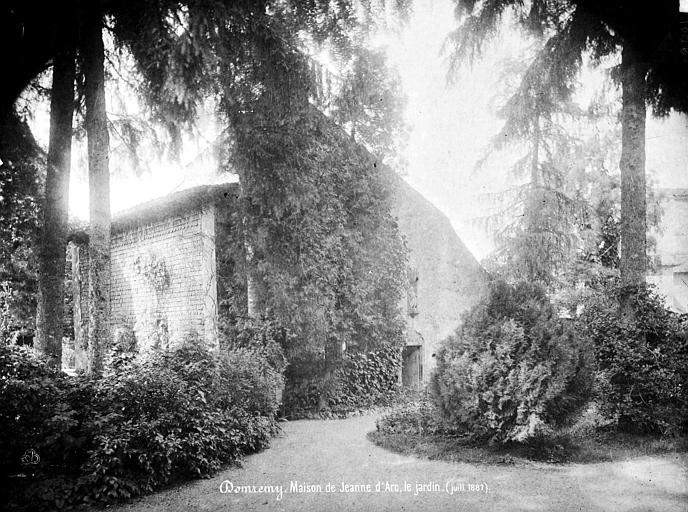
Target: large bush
513,370
642,358
361,381
35,413
178,414
151,420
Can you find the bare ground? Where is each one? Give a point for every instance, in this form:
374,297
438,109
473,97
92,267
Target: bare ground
333,452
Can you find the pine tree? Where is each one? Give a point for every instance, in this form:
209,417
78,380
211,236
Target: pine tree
576,27
247,56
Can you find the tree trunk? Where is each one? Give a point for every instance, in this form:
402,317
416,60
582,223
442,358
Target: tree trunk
633,208
53,240
79,319
252,307
99,195
251,292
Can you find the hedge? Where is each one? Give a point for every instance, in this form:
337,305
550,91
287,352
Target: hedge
151,420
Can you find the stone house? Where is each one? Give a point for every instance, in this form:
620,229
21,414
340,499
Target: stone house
445,280
163,274
166,257
169,262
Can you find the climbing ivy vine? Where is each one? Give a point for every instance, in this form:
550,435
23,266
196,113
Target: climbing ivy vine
154,271
315,207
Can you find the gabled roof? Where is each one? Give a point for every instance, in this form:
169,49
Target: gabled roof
174,204
163,207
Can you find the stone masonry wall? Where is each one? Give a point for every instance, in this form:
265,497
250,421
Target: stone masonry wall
163,279
448,280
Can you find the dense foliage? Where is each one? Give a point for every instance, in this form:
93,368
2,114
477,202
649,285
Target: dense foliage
370,105
319,241
513,369
418,416
368,378
151,420
360,381
328,261
263,337
326,250
19,190
32,408
642,360
573,31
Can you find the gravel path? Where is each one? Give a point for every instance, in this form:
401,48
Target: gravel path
318,453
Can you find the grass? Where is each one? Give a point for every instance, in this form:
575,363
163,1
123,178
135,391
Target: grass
411,430
603,447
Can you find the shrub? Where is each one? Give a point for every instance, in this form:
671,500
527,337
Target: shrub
416,417
360,381
264,337
301,396
34,411
42,444
367,379
642,358
152,419
178,414
513,370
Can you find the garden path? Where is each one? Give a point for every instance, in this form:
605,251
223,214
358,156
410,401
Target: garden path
335,451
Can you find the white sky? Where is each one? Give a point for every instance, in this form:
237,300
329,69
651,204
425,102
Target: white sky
451,127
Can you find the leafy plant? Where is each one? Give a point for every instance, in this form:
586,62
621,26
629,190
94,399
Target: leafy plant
642,359
34,413
415,417
154,270
266,337
149,421
327,258
367,379
513,370
361,381
20,185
